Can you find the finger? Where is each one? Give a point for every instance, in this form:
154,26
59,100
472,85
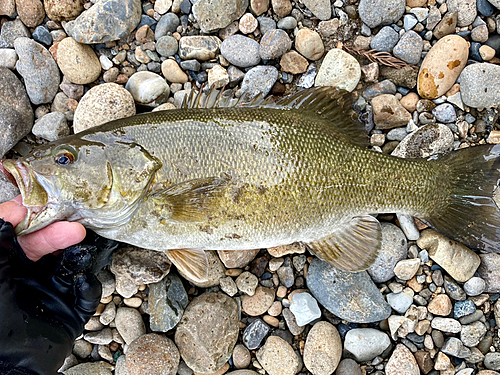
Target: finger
13,211
88,291
54,237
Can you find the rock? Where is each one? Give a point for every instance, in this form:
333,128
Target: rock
7,8
489,271
293,62
446,325
147,87
402,362
103,103
409,47
492,361
105,21
237,258
254,334
456,259
217,77
463,308
168,23
228,286
39,70
167,302
320,8
78,62
248,23
240,51
259,303
63,10
213,15
8,190
440,305
478,83
241,357
259,7
366,343
350,296
167,46
199,47
16,114
152,354
259,80
407,268
162,6
207,332
472,334
51,127
339,69
445,113
280,251
8,58
380,12
12,30
392,250
388,112
441,66
173,72
247,282
446,26
385,40
453,289
287,23
427,140
273,44
323,349
474,286
107,281
129,324
30,12
103,337
88,369
216,271
400,302
466,10
277,357
348,367
309,44
134,266
305,308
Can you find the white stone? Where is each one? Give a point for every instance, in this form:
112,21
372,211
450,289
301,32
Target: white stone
407,268
366,343
339,69
106,63
408,226
8,58
305,308
446,325
162,6
218,77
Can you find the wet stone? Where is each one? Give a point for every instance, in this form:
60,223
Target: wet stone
167,302
453,289
255,333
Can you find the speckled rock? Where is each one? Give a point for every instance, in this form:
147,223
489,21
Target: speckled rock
273,44
39,70
380,12
237,258
339,69
7,7
427,140
293,62
388,112
31,12
213,15
465,9
199,47
51,127
12,30
489,271
105,21
152,354
8,58
366,343
63,10
147,87
101,104
129,324
259,80
167,302
409,47
320,8
173,72
323,349
440,305
259,303
441,66
207,332
240,51
348,367
402,362
350,296
88,369
216,271
277,357
78,62
8,190
478,85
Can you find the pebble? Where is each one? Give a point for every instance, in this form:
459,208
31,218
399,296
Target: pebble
489,271
39,70
478,83
305,308
7,7
388,112
173,72
446,325
228,286
248,23
168,24
162,6
259,80
474,286
463,308
78,62
456,259
293,62
273,44
259,303
201,48
82,348
88,369
102,337
446,26
237,258
348,367
466,10
492,361
152,354
103,103
63,10
453,289
438,139
400,302
339,69
407,268
240,51
8,58
409,47
322,349
440,305
380,12
208,332
167,46
247,283
441,66
366,343
445,113
402,362
12,30
147,87
212,15
51,127
338,291
254,334
472,334
385,39
291,322
287,23
241,357
42,35
129,324
309,44
277,357
167,302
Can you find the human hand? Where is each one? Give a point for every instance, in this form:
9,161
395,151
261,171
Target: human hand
55,236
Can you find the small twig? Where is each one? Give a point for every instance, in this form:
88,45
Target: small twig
383,58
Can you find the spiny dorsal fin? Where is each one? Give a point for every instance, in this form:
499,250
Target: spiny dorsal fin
191,262
213,98
353,246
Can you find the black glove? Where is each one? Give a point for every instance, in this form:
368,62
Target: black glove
44,305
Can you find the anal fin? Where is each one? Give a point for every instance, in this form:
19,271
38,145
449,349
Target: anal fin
191,262
353,246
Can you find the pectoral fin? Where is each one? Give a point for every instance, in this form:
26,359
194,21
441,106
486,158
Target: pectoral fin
191,262
353,246
189,200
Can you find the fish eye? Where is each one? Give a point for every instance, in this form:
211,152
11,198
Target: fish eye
65,156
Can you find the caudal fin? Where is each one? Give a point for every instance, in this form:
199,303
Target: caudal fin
469,214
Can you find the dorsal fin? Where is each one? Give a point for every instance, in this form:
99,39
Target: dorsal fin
213,98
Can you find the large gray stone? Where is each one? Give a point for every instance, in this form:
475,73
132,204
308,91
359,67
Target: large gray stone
479,85
381,12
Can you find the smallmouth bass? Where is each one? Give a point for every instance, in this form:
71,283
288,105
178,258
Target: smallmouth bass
236,178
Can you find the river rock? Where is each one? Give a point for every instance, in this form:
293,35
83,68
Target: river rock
51,127
199,47
63,10
207,332
350,296
489,271
309,44
339,69
167,302
129,324
152,354
105,21
173,72
78,62
277,357
39,70
147,87
7,8
217,14
446,26
323,349
466,11
366,343
31,12
293,62
388,112
380,12
402,362
240,51
385,39
273,44
259,80
409,47
8,58
88,369
12,30
259,303
16,114
237,258
427,140
456,259
441,66
479,85
320,8
103,103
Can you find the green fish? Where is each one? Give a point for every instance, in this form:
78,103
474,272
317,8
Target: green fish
249,177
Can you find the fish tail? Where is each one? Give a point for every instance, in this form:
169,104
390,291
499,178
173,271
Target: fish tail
469,214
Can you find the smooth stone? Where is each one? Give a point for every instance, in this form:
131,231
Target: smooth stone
492,361
12,30
409,21
446,26
474,286
478,85
259,303
455,258
259,7
16,116
101,104
402,362
277,357
201,48
348,367
39,70
105,21
241,51
466,10
237,258
305,308
380,12
379,88
441,66
366,343
323,349
8,58
8,190
216,272
427,140
152,354
273,44
103,337
254,333
63,10
167,46
167,302
129,324
407,268
173,72
446,325
241,357
207,332
78,62
406,221
248,23
266,24
294,63
217,14
88,369
338,290
339,69
309,44
259,80
287,23
31,12
291,322
453,289
445,113
51,127
400,302
385,39
388,112
463,308
147,87
409,48
320,8
168,24
440,305
489,271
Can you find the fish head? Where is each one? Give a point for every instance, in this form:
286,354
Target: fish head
96,183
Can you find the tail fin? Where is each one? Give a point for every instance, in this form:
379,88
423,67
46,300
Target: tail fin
470,215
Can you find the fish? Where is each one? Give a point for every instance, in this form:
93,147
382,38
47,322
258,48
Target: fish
237,177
